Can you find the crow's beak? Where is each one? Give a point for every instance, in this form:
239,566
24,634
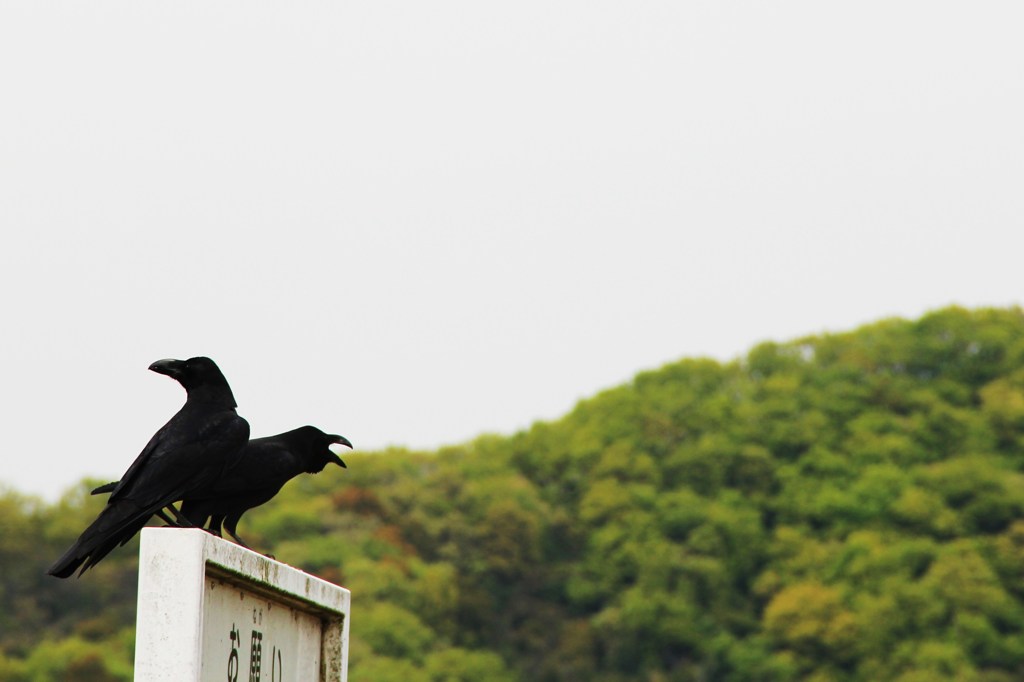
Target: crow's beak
340,440
169,367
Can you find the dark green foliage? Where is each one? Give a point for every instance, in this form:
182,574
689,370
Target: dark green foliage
848,507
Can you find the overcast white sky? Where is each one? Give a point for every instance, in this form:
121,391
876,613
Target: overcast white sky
415,222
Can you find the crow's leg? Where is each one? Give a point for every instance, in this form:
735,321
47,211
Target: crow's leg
215,523
230,525
181,520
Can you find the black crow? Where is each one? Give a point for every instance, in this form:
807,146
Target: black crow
187,454
256,473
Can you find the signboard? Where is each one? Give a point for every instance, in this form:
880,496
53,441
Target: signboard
249,637
210,610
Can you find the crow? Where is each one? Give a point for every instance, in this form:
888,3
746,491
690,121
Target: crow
186,455
255,474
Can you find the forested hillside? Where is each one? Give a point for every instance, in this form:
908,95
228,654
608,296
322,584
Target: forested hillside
840,507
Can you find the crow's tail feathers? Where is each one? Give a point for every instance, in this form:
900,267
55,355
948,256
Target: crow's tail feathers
105,488
115,525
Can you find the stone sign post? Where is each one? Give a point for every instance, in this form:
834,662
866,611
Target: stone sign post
210,610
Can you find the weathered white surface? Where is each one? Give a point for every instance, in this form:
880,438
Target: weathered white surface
211,610
246,636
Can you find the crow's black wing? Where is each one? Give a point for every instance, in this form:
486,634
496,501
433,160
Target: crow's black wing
182,445
188,458
188,453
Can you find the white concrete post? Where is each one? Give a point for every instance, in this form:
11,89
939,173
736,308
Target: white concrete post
210,610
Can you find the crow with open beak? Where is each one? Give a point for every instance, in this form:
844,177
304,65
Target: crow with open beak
257,472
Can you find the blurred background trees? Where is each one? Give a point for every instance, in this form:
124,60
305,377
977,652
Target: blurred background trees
840,507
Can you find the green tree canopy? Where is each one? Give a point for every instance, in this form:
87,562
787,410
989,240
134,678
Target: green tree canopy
841,507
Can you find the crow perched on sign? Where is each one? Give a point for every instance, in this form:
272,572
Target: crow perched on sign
187,454
255,474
